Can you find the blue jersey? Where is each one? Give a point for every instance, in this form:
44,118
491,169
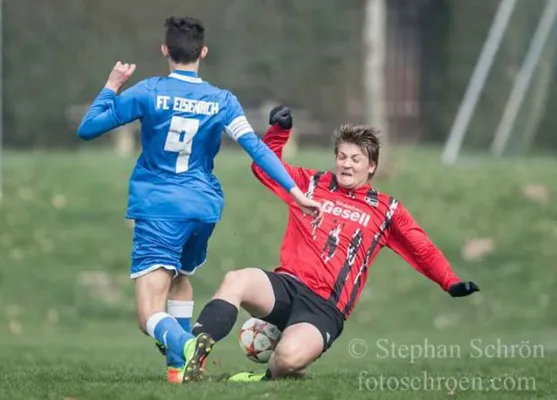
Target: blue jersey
182,121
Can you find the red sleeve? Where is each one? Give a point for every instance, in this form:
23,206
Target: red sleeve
275,138
410,242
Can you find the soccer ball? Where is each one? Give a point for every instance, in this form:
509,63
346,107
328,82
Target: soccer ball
258,339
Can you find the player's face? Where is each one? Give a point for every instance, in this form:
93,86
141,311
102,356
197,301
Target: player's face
352,166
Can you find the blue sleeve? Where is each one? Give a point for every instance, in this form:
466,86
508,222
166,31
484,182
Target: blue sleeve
109,111
266,159
235,123
239,129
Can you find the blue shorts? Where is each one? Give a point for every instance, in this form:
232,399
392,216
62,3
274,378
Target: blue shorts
179,246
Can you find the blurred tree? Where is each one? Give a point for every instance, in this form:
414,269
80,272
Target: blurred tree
307,54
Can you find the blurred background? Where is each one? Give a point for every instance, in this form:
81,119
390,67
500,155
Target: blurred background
464,93
334,61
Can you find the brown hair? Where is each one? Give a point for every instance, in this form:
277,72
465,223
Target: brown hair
364,136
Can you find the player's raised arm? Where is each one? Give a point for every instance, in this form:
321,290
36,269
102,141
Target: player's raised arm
276,137
240,130
411,242
108,110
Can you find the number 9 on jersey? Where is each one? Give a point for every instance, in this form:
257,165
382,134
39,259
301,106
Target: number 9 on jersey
179,140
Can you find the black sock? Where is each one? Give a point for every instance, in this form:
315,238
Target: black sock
217,319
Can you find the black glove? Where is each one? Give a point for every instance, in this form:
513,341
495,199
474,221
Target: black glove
282,116
462,289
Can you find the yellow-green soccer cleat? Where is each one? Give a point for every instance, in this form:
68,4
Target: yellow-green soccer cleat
175,375
196,351
247,377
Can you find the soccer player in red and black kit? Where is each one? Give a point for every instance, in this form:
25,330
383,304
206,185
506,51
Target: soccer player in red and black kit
324,263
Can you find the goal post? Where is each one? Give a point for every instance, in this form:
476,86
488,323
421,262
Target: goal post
524,77
1,99
477,81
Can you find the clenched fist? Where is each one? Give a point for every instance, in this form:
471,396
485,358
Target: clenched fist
119,75
462,289
282,116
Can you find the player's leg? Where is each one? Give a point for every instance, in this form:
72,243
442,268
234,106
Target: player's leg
312,326
155,259
249,288
300,345
311,329
179,305
193,256
194,241
151,291
180,301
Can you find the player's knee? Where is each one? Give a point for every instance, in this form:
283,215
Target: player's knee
248,288
234,281
291,358
232,277
288,366
231,288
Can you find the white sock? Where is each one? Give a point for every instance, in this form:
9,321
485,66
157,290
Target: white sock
182,310
153,321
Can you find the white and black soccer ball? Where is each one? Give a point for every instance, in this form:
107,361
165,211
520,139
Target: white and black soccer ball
258,339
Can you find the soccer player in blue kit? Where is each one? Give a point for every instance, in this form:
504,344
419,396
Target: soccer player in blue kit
174,197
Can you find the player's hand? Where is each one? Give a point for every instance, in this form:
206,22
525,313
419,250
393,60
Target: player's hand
119,75
282,116
308,206
462,289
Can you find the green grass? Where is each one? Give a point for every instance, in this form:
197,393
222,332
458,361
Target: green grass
67,324
121,366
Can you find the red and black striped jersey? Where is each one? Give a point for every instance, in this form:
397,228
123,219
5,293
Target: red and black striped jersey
332,257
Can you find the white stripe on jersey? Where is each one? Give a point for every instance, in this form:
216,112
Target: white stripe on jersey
238,128
185,78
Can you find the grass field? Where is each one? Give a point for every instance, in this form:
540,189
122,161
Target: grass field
67,324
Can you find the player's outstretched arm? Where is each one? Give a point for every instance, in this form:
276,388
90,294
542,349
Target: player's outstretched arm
239,129
276,137
108,110
268,161
409,240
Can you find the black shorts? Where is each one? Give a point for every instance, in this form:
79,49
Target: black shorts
296,303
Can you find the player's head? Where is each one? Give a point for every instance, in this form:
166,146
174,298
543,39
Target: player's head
185,40
357,155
